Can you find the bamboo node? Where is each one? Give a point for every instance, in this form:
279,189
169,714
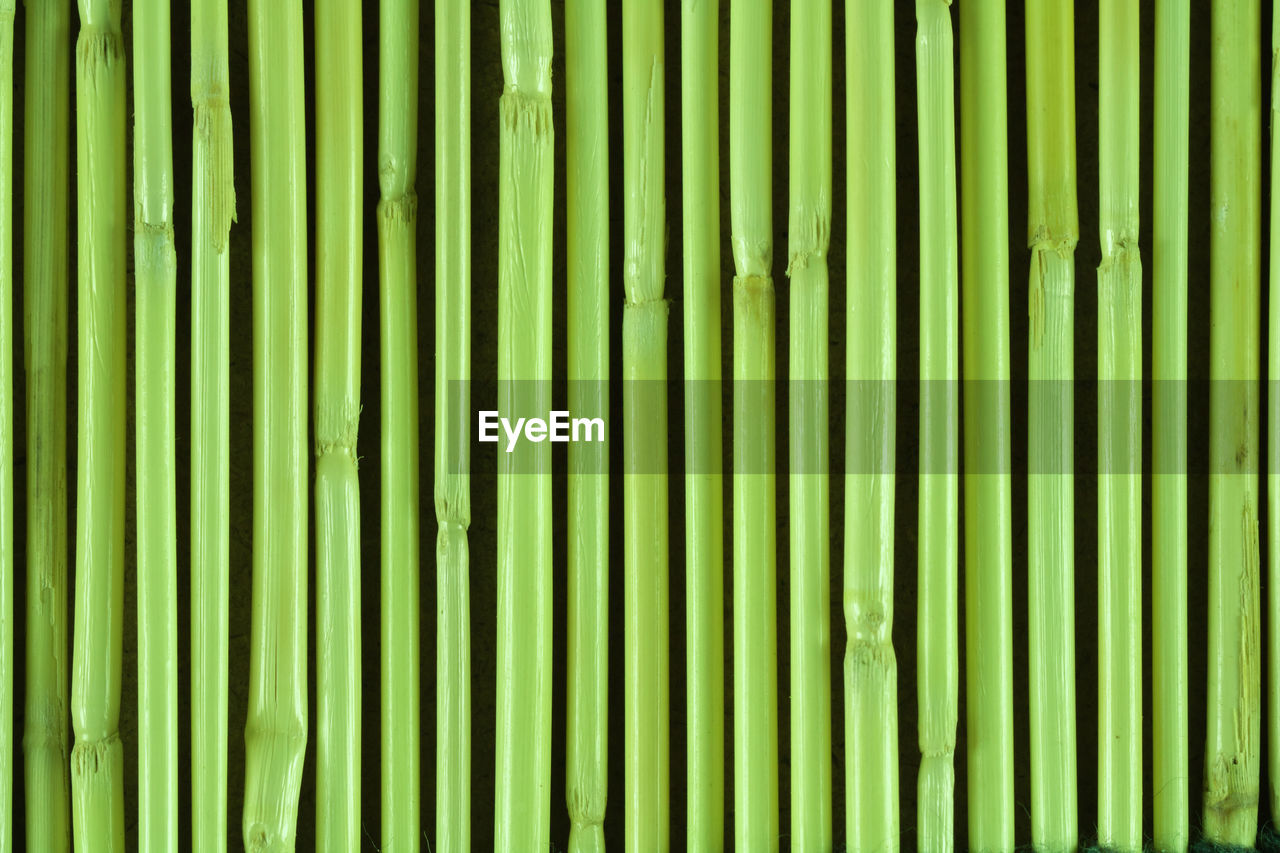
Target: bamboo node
810,237
336,429
97,52
523,112
403,210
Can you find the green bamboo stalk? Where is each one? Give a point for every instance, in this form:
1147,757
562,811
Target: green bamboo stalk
276,731
1234,719
1170,777
644,368
155,269
452,412
397,289
7,10
212,210
587,219
1273,445
984,218
1053,231
47,127
339,265
97,760
525,202
755,642
937,624
1119,433
810,235
704,508
870,665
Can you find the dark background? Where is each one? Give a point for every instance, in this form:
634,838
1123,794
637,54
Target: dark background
486,86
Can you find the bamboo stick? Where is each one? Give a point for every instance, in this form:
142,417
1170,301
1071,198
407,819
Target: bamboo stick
397,227
212,210
987,483
984,218
452,412
755,642
155,269
1234,718
525,201
46,127
339,266
809,228
1273,445
644,368
1053,231
587,183
1119,434
7,685
276,731
1170,777
97,760
397,294
937,624
870,665
704,509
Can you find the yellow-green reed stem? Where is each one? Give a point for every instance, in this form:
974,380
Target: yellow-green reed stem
1119,434
644,367
984,239
7,9
155,301
339,265
398,340
870,665
809,229
1170,776
526,197
1234,713
212,209
755,606
276,730
1053,231
46,127
97,760
1273,412
452,417
587,184
703,482
937,623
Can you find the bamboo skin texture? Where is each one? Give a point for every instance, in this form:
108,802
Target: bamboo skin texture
397,295
155,301
938,620
525,202
7,11
755,642
1119,434
870,665
984,221
452,412
1234,714
212,210
339,265
587,146
46,128
276,731
97,759
809,228
1170,777
1052,233
704,508
645,485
